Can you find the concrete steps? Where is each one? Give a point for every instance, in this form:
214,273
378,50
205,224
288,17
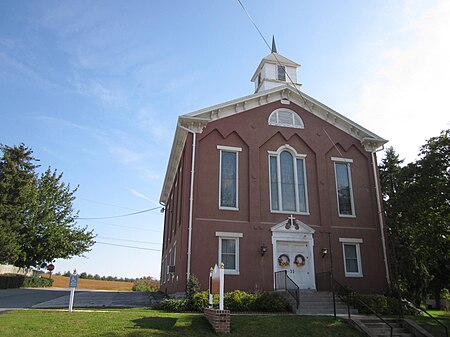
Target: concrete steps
321,303
375,328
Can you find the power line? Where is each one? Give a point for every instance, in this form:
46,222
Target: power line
149,243
122,215
125,246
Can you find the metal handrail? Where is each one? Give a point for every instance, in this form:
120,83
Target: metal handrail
349,295
423,310
284,282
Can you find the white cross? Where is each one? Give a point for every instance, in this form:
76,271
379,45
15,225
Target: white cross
291,220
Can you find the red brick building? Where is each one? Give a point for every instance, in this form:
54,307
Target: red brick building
264,182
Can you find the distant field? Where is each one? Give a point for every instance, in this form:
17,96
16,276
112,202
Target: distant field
63,282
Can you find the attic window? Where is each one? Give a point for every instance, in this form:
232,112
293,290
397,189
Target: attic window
287,118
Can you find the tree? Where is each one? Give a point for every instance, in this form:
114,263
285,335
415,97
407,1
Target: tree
37,220
417,205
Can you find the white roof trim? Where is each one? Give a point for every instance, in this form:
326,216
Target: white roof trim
197,120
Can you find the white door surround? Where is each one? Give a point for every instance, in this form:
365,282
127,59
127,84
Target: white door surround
294,239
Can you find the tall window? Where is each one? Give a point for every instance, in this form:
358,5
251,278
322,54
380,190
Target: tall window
281,72
228,176
352,257
287,182
344,188
229,251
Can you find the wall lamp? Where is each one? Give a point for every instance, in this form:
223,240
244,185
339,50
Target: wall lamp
263,249
324,252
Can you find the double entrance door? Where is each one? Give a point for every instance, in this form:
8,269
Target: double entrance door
295,258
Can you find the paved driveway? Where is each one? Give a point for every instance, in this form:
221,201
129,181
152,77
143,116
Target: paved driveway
53,298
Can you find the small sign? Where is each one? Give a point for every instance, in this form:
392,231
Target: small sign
215,281
50,267
73,281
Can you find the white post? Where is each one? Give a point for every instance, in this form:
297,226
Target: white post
222,277
210,299
72,295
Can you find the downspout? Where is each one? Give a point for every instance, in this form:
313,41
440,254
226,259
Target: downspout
191,202
380,214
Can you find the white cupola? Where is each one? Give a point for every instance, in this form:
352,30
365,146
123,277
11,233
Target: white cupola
275,70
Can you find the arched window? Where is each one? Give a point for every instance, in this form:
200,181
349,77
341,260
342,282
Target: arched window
287,118
288,190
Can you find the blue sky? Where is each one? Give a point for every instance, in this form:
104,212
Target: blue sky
95,88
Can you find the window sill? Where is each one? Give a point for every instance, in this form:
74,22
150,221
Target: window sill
288,212
353,275
228,208
350,216
231,272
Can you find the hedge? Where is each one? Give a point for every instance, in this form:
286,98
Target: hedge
235,301
17,281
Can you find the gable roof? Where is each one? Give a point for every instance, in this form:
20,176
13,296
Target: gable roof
197,120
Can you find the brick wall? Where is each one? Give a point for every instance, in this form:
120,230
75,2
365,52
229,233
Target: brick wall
219,319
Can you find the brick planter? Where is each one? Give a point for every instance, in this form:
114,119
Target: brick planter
219,319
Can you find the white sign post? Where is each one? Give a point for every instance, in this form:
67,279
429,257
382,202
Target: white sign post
222,277
217,284
73,283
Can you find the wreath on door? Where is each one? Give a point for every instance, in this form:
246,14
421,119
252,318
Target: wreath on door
299,260
283,260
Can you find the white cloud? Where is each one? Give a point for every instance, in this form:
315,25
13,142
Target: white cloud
405,101
141,195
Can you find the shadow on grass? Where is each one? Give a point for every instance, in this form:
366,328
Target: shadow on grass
167,326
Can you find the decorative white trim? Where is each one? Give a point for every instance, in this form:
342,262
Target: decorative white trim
343,160
296,156
198,120
351,240
235,150
229,148
352,201
230,234
300,233
288,125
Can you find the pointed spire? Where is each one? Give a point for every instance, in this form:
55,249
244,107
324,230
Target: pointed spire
274,46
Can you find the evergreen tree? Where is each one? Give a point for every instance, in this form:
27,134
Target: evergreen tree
37,221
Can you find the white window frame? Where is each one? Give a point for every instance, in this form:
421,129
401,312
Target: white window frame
352,242
293,114
229,236
278,73
296,156
236,150
347,161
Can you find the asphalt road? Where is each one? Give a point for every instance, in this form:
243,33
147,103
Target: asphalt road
59,298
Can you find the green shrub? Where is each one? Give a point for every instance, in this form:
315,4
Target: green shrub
37,282
144,285
171,304
270,302
200,301
381,304
17,281
11,281
193,287
238,300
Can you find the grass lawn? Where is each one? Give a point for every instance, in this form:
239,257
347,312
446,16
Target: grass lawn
430,325
142,322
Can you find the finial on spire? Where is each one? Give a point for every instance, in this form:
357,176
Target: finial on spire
274,46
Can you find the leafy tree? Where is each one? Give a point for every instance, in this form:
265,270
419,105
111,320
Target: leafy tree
417,205
37,221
